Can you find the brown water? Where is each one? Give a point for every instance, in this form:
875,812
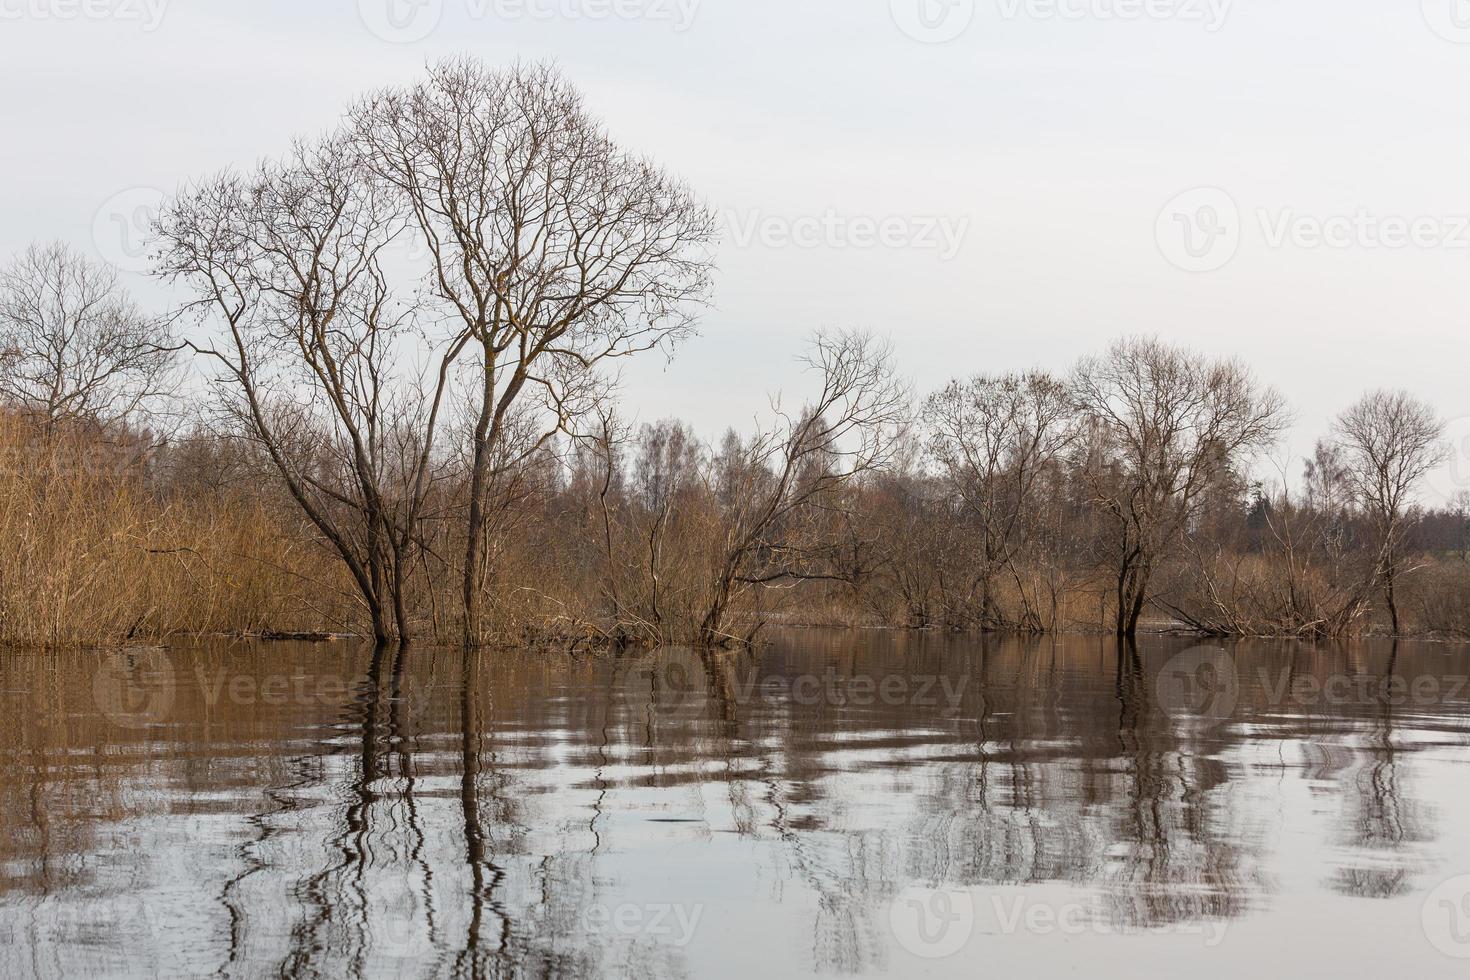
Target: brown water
835,803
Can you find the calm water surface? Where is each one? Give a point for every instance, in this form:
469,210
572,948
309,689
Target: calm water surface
833,803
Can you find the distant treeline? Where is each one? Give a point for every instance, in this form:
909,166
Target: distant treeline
402,424
653,535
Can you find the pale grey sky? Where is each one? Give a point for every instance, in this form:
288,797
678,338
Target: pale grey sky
997,184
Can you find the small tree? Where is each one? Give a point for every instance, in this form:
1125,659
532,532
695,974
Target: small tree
1165,425
1388,441
73,345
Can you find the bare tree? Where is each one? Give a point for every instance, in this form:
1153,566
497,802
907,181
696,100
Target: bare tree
554,249
309,341
1388,442
73,345
1165,426
995,438
669,462
793,469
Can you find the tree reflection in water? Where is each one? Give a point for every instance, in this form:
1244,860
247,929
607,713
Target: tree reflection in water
502,814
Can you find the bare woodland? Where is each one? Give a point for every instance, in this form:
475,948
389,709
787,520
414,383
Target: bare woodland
386,404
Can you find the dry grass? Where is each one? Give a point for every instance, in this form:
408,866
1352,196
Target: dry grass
100,545
92,555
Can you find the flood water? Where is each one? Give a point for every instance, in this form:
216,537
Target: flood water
832,803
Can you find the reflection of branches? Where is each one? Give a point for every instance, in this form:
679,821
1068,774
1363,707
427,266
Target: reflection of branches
1038,780
1380,820
326,901
398,739
1171,839
308,772
482,892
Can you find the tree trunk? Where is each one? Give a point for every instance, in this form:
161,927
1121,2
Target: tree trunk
1389,577
1133,579
475,536
381,635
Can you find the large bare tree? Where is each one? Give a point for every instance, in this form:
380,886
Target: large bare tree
316,351
1387,443
1164,426
552,248
73,345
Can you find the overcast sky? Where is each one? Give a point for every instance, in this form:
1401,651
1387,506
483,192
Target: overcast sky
996,184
